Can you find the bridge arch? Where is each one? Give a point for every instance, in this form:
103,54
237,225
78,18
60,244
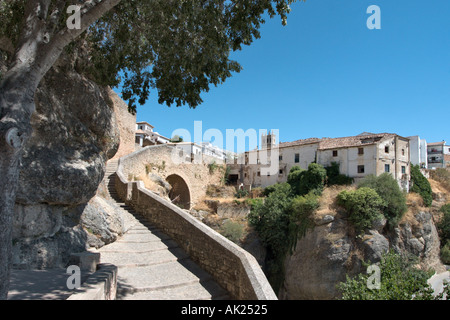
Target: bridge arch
180,193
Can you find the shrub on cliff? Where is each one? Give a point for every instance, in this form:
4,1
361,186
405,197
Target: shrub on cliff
388,189
363,205
421,185
334,177
304,181
399,280
444,233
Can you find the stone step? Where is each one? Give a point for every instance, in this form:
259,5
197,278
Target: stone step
136,259
138,247
194,291
160,276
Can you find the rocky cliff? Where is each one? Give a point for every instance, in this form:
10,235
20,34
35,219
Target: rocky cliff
332,249
58,208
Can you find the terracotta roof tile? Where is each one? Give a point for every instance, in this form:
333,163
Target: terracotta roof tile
344,142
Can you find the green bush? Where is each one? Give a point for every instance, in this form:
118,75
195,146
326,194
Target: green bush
232,230
444,225
363,205
304,181
241,193
445,253
444,233
271,218
335,178
400,280
301,210
388,189
421,185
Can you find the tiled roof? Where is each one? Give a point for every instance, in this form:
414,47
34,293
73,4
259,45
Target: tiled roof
344,142
299,142
354,141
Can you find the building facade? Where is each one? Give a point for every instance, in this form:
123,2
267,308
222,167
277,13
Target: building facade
357,156
418,151
145,136
438,155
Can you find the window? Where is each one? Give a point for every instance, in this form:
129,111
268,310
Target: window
280,171
297,157
403,169
280,157
403,152
259,174
335,153
386,149
360,169
360,150
387,168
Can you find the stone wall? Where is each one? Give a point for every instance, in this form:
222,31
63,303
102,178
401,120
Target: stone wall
126,123
232,267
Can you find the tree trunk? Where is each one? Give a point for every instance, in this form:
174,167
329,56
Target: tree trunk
16,106
37,50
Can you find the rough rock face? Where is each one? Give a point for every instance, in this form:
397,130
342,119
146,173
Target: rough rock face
331,250
74,133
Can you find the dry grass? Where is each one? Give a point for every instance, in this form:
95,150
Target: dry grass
436,186
328,200
415,205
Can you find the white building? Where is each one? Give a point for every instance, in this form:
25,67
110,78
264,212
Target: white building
418,151
145,136
357,156
437,152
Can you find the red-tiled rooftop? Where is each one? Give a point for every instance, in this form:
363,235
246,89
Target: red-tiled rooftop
343,142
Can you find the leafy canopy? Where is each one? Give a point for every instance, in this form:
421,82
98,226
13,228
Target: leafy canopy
175,47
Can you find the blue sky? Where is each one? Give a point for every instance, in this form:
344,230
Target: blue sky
326,74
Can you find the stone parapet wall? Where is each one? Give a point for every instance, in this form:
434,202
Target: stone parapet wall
231,266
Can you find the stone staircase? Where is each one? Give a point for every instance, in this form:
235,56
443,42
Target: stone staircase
151,265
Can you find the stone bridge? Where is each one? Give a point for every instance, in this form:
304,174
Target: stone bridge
230,266
189,176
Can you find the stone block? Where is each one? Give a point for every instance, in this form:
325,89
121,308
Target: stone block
87,261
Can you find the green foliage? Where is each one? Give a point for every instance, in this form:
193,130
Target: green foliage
176,48
444,233
279,220
400,280
445,253
241,193
226,173
388,189
301,210
363,205
232,230
421,185
212,167
335,178
304,181
271,219
254,202
176,139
